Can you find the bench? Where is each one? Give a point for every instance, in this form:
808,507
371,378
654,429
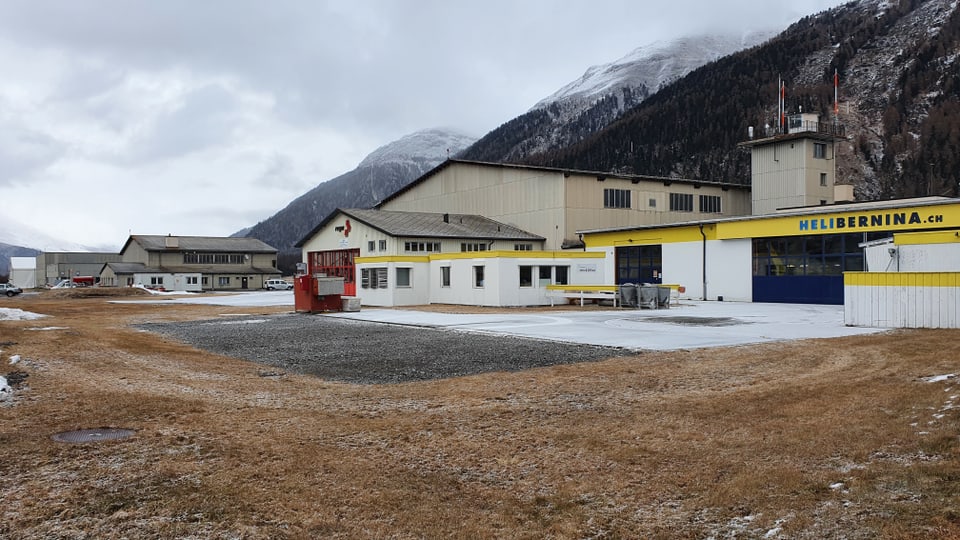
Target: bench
583,292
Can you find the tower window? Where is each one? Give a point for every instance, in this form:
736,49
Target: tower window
820,150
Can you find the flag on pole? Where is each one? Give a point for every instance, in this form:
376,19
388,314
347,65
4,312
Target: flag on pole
836,85
783,105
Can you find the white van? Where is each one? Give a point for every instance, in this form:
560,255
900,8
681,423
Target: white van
276,285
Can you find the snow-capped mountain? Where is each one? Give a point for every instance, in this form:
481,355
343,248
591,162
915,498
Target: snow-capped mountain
18,234
380,174
650,68
898,92
603,94
431,145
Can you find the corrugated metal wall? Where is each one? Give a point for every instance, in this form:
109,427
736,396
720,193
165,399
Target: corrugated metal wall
902,299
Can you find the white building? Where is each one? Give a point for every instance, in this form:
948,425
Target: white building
23,272
392,258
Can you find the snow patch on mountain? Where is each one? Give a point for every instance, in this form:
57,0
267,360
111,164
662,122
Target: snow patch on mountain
652,66
18,234
429,145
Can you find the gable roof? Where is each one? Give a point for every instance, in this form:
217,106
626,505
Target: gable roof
634,178
206,244
428,224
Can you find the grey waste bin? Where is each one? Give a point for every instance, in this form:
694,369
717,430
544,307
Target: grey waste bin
628,295
663,297
648,296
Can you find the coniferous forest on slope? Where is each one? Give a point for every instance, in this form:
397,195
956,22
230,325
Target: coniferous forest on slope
691,129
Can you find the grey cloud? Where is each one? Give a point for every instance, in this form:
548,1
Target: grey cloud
24,151
206,117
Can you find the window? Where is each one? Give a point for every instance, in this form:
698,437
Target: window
421,246
681,202
444,276
403,277
653,203
373,278
823,179
156,280
370,245
560,274
473,246
526,276
545,273
223,281
204,281
710,204
829,254
616,198
478,276
383,245
523,247
820,150
191,280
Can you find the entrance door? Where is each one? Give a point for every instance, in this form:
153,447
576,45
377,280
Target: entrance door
243,282
640,264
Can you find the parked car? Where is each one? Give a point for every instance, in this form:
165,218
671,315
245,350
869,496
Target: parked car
276,285
10,289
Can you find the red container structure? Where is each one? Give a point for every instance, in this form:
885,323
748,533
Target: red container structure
335,263
315,294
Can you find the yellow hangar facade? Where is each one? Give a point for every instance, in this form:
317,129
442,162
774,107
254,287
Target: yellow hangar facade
795,256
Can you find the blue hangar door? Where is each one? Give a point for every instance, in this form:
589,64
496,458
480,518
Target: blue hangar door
639,264
804,269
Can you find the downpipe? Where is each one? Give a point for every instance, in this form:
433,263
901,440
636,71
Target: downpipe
704,261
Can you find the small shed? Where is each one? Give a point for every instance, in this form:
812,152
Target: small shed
912,281
23,272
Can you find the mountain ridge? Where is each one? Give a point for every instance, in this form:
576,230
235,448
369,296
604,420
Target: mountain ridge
899,91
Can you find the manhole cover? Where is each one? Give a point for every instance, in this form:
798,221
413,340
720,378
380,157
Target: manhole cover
93,435
697,321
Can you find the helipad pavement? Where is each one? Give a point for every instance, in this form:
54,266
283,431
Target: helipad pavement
685,325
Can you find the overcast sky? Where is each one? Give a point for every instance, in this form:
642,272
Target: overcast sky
201,118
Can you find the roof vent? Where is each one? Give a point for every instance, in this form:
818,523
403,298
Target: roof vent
446,218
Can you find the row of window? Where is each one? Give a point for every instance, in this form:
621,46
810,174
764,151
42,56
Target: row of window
214,258
376,278
828,254
371,244
434,247
157,281
679,202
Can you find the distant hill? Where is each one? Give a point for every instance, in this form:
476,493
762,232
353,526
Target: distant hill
380,174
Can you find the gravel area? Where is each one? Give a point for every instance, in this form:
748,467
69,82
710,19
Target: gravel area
372,353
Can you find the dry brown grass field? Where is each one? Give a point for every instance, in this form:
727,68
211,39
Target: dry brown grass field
838,438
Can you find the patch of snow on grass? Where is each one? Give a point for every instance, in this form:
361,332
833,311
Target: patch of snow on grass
247,321
939,378
15,314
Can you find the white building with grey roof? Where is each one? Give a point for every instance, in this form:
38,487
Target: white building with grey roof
392,258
